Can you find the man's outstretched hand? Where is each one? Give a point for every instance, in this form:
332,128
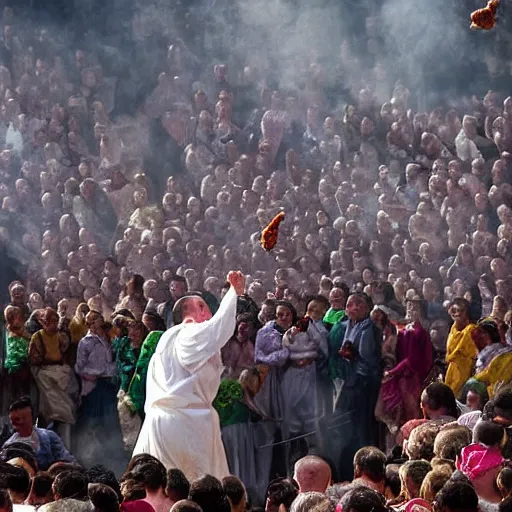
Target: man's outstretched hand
237,281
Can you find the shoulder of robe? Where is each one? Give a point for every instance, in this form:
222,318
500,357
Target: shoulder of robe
168,337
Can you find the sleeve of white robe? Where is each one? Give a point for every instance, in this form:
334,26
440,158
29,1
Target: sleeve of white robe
196,343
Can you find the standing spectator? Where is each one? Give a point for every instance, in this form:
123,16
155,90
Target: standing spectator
272,356
98,412
137,389
238,353
47,445
134,299
126,349
16,358
18,298
460,348
354,410
336,312
178,288
47,357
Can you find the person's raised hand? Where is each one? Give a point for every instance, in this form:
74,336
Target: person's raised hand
237,280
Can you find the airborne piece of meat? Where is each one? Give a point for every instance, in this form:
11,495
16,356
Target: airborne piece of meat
270,233
485,19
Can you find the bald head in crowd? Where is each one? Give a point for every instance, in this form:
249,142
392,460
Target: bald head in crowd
312,474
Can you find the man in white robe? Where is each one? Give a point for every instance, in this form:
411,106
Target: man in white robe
181,427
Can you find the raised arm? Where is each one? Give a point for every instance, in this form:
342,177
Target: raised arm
197,342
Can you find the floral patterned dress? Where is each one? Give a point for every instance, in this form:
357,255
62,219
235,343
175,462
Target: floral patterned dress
126,359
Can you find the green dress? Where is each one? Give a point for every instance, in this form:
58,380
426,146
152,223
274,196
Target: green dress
126,359
137,386
16,353
229,404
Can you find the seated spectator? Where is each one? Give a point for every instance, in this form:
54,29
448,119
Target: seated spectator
16,481
103,498
505,505
20,454
312,474
412,474
235,491
61,467
481,462
370,468
47,445
476,395
336,492
101,475
40,490
393,484
136,506
438,403
186,506
311,500
5,501
208,493
363,499
154,479
178,486
70,493
450,441
504,482
133,492
420,444
281,492
433,483
456,496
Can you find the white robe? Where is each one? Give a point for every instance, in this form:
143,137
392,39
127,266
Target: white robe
181,427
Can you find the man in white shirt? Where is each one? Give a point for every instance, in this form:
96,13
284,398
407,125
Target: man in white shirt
182,428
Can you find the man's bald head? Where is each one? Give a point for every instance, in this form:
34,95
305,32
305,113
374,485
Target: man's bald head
312,474
191,308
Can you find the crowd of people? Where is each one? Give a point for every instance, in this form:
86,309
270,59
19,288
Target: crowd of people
443,464
380,319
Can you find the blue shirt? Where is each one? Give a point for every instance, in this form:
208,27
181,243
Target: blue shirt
366,338
49,450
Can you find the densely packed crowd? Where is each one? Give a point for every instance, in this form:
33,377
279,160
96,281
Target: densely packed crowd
445,463
391,272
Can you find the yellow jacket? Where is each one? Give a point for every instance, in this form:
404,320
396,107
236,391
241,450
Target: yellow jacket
498,370
460,356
